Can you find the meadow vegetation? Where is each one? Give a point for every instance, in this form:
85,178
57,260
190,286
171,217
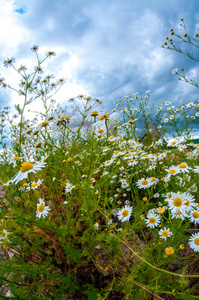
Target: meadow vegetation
98,205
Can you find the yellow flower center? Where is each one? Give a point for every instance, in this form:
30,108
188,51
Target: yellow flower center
16,158
44,123
182,166
70,159
161,210
3,234
195,214
172,171
100,131
103,117
165,233
41,208
94,113
153,178
152,220
26,166
132,160
125,213
126,155
34,184
186,202
177,202
65,118
197,241
145,182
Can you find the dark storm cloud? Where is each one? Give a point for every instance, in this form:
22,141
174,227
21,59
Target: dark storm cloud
118,44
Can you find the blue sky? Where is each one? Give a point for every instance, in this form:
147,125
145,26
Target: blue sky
105,49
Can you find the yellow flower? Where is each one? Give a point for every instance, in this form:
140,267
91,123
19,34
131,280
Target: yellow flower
169,251
26,166
102,117
100,131
94,113
70,159
65,118
44,123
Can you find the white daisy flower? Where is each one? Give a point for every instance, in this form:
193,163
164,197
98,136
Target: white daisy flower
96,226
173,170
124,214
154,180
42,210
156,195
183,167
176,202
3,234
165,233
189,201
144,183
69,187
180,214
26,168
109,222
153,220
194,216
124,184
196,169
162,155
194,242
108,162
34,185
132,162
161,210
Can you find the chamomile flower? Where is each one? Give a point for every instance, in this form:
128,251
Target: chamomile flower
26,168
153,220
189,201
183,167
179,214
96,226
108,162
144,183
69,187
196,169
161,210
42,210
156,195
3,234
124,184
173,170
194,216
34,185
194,242
176,202
124,214
165,233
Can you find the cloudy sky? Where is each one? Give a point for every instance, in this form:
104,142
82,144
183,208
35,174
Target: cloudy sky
104,48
